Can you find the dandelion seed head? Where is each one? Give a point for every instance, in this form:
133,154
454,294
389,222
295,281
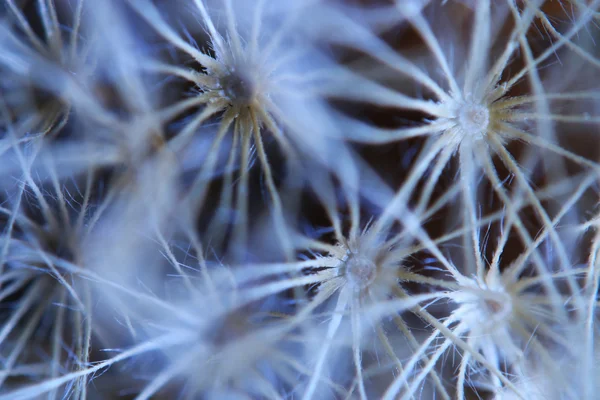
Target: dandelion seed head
473,120
491,310
360,271
487,308
367,264
238,87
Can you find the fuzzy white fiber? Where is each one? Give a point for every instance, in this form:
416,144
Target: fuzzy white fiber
299,199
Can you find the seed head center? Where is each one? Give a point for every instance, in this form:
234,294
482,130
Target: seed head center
474,119
238,87
495,309
360,271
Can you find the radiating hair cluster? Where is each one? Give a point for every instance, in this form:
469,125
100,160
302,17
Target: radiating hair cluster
299,199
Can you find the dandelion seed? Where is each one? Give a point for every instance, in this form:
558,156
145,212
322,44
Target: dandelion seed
254,70
130,133
46,63
38,259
